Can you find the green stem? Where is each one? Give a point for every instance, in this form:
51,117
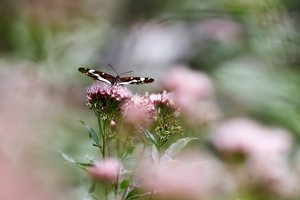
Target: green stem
106,124
106,193
104,141
117,188
101,135
133,172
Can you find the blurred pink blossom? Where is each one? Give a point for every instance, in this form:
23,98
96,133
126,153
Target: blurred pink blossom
244,135
194,85
193,92
266,149
107,170
189,176
29,105
276,173
138,110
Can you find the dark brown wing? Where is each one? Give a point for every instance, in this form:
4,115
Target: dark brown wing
135,80
98,75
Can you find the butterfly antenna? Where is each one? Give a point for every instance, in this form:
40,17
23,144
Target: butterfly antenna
113,69
125,73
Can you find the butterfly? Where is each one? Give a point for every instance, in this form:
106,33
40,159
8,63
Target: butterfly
114,80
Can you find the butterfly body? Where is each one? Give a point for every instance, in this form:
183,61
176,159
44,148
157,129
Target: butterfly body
114,80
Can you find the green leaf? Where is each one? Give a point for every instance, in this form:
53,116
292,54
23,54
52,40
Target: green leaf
177,146
124,184
85,164
138,196
135,193
92,134
154,154
72,161
128,152
151,137
92,187
66,157
96,145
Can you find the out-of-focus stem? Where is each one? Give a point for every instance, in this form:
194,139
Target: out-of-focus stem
117,186
101,135
133,172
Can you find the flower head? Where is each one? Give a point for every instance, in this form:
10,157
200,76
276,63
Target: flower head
252,139
163,99
167,123
107,170
193,93
266,151
105,98
138,110
188,86
101,90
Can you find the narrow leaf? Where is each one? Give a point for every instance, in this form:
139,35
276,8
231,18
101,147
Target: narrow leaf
176,147
134,193
66,157
85,164
72,161
124,184
128,152
139,196
92,187
154,154
151,137
92,134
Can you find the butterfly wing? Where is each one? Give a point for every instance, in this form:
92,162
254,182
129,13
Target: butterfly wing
135,80
98,75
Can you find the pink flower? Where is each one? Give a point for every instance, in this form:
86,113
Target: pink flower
192,85
246,136
99,91
138,110
266,149
163,98
193,93
189,176
106,99
107,170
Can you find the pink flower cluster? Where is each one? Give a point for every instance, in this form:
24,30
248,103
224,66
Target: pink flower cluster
135,109
266,150
163,98
194,85
107,170
246,136
193,92
138,110
102,91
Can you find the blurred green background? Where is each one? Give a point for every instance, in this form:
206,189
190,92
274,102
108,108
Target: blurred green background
250,49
